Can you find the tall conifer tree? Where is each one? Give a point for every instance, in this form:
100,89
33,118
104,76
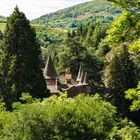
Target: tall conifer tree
20,70
121,78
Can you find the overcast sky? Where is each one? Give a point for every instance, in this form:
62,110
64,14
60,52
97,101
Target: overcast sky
36,8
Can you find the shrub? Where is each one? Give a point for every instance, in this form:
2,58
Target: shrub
64,119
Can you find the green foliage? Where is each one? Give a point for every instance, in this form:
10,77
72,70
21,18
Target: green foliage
125,130
128,4
73,54
125,29
2,26
47,35
124,71
91,35
1,35
121,76
49,39
19,67
26,97
87,12
135,47
64,118
2,105
134,95
81,48
2,19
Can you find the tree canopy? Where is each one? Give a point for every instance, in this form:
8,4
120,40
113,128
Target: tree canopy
19,65
65,118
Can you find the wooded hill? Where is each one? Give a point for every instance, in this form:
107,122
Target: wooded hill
82,13
109,53
2,19
2,23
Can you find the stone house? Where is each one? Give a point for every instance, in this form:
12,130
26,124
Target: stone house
64,83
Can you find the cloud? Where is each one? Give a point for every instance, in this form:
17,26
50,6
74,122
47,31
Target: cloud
36,8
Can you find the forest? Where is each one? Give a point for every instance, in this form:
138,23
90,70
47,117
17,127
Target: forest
83,13
107,46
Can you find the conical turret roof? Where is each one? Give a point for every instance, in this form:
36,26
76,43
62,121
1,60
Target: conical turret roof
82,78
79,74
49,71
85,82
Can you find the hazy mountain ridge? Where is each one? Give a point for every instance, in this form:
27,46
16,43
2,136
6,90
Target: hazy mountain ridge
82,13
2,17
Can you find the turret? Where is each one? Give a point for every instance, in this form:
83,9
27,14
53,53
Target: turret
50,75
85,82
79,74
49,71
81,80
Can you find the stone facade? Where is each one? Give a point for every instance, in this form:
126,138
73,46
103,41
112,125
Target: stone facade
64,83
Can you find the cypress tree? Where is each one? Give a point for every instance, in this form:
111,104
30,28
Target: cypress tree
20,70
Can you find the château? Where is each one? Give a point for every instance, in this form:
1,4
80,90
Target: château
65,83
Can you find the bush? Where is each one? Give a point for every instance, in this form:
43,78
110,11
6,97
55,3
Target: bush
64,119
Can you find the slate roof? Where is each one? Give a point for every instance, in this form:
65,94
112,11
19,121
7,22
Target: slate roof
85,82
81,80
49,71
79,74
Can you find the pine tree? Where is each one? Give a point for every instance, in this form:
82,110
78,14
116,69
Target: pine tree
89,41
19,68
72,55
96,37
121,78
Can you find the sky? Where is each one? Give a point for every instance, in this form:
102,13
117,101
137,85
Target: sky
36,8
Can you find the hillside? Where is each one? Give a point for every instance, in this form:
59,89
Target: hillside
2,23
82,13
2,19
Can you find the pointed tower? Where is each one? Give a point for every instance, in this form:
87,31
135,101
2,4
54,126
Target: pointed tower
81,80
79,74
85,82
50,72
50,75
